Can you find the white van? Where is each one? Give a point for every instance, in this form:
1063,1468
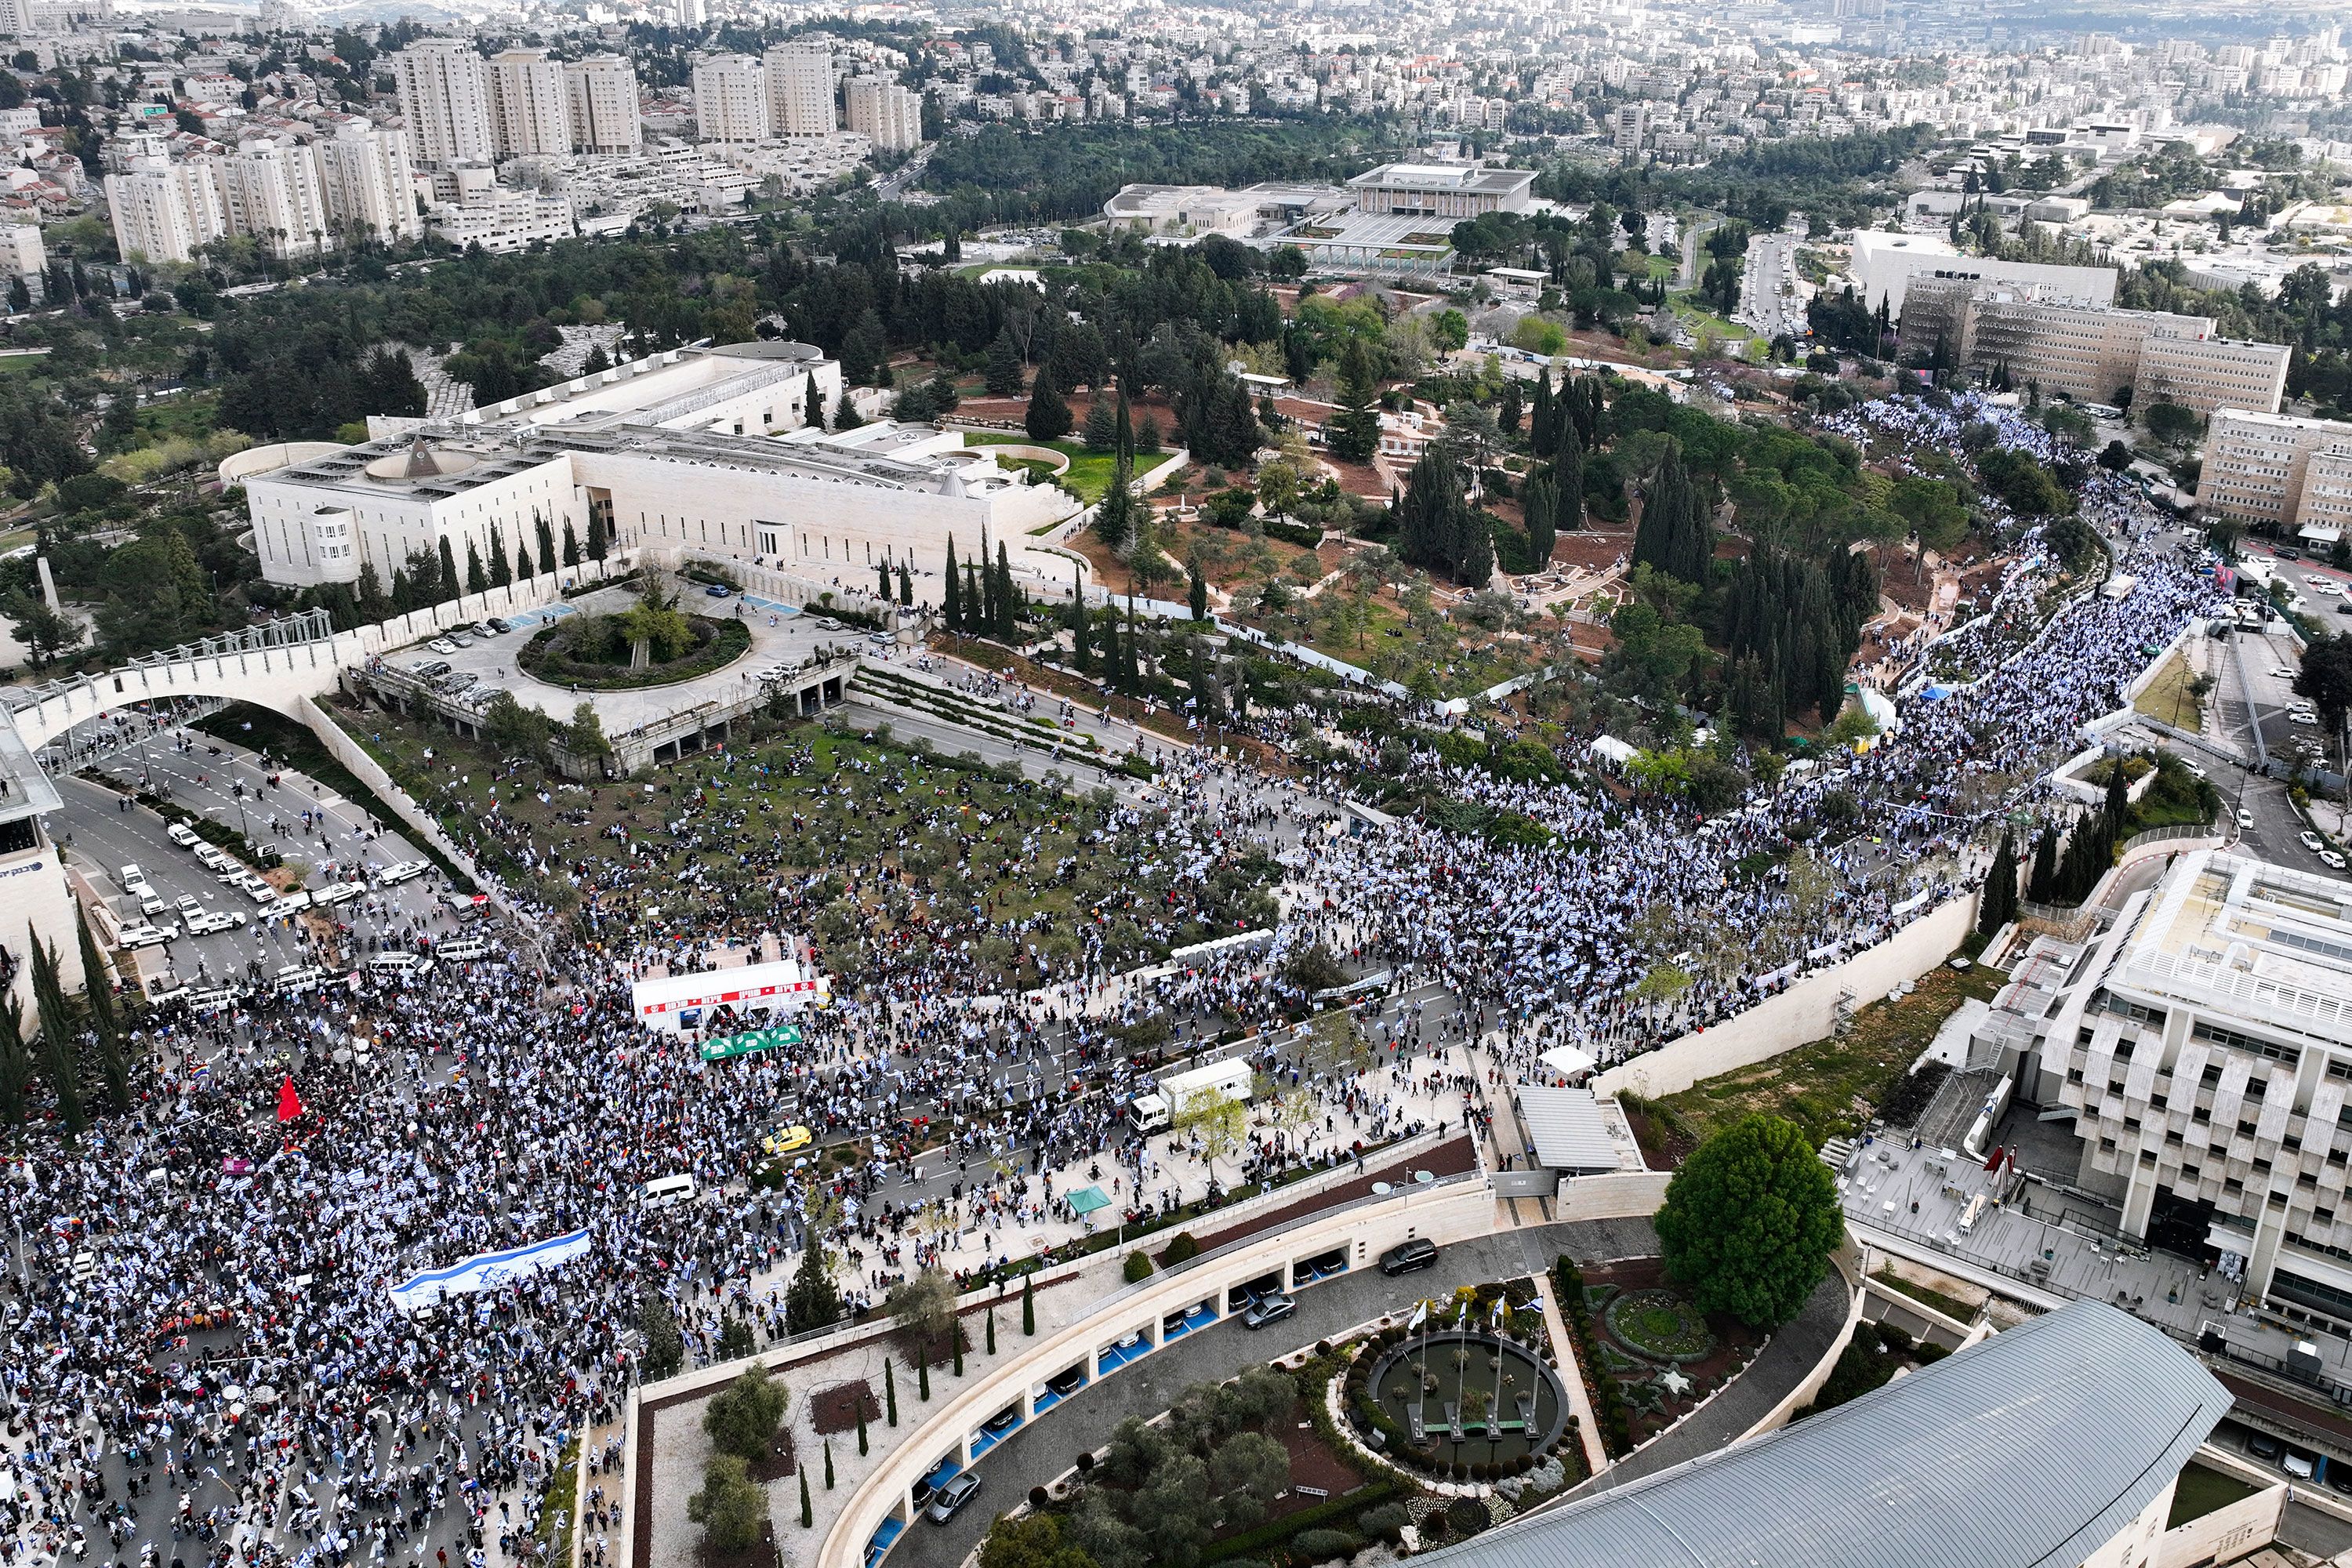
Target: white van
181,834
664,1190
465,949
397,963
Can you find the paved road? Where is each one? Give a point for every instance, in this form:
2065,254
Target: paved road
1036,1454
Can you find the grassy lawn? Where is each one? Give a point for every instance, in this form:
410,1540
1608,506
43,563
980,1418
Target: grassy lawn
870,846
2170,698
1090,472
2201,1491
1831,1087
22,365
1688,308
187,417
1951,1307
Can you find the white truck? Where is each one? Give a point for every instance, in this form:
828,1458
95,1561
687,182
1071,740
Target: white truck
1156,1111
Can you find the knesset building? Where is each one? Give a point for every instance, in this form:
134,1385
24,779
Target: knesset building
709,450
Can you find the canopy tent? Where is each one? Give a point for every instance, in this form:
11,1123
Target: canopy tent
1565,1126
1567,1061
1086,1200
1609,749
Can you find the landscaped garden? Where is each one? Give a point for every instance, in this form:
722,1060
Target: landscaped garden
1655,1354
651,643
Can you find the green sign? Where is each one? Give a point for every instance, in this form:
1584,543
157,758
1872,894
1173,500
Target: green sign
758,1040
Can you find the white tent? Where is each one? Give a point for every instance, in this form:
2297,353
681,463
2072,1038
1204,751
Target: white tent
1609,748
1566,1060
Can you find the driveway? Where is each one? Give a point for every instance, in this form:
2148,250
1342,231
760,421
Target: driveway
1034,1454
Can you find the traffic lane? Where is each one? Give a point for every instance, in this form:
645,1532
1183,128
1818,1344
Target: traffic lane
103,832
1037,1452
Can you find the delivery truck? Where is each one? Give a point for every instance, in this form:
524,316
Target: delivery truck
1156,1109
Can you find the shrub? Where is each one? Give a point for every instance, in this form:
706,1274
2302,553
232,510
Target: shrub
743,1417
1322,1347
1037,1497
1466,1516
1323,1546
1182,1247
1138,1266
1523,1464
1386,1522
1085,1462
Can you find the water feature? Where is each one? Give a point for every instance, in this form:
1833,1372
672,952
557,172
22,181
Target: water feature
1471,1396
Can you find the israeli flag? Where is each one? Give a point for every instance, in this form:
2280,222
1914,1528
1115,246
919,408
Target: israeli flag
488,1270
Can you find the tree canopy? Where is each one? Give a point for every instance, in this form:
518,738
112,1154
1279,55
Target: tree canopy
1750,1220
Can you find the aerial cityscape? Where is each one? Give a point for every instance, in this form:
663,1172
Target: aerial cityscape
911,785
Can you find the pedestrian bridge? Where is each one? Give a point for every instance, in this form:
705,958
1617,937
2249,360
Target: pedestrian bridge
279,666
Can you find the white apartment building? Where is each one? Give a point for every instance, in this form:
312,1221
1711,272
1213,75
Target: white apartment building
444,96
602,89
707,450
529,104
2274,468
2204,1045
800,88
731,98
269,186
166,210
365,181
885,113
22,254
499,217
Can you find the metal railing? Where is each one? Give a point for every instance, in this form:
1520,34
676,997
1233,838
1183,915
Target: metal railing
296,630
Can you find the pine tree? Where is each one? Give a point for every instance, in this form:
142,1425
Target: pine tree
1048,417
1355,432
1101,428
1196,593
1998,905
953,609
1004,375
58,1055
104,1018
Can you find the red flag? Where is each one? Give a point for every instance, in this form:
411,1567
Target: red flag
290,1104
1992,1165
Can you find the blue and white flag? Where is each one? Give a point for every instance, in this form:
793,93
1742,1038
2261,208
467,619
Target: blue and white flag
488,1270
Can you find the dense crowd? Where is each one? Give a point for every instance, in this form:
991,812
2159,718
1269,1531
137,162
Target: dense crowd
203,1366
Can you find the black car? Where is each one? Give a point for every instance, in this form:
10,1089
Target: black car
1067,1380
2265,1446
1407,1255
1003,1421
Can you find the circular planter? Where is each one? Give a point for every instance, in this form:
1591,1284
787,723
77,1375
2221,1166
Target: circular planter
1390,1388
1659,1325
721,645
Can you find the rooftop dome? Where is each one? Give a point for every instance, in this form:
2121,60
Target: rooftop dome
419,462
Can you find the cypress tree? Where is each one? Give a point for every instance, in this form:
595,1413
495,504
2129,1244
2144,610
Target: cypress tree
501,569
1543,420
449,567
58,1056
1568,485
104,1018
976,607
2042,883
1110,653
889,1393
1539,501
861,1428
808,1515
955,1340
1008,609
905,585
992,1330
570,546
985,623
17,1069
828,1464
525,569
1196,593
1998,905
953,609
883,579
1081,653
2119,802
923,1378
546,556
1028,1303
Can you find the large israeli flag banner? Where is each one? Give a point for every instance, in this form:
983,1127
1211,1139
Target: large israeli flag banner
488,1270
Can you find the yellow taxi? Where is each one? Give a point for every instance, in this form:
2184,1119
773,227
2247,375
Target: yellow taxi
784,1140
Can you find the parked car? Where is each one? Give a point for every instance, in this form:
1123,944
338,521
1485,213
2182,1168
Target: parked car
401,871
718,591
2310,841
951,1498
1267,1310
2331,860
181,834
1003,1421
2265,1446
443,646
149,935
1407,1255
2245,818
1067,1380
